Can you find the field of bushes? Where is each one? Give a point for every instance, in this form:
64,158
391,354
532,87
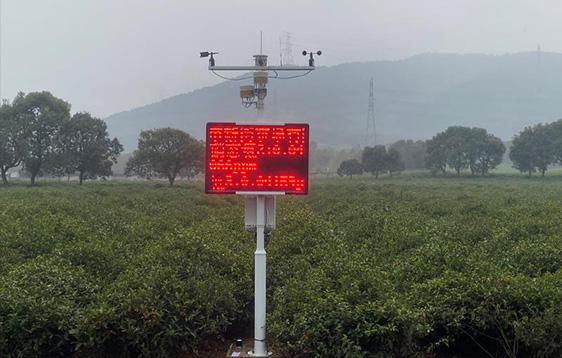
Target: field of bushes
397,267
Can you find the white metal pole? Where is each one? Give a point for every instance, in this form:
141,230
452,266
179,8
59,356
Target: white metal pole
260,348
261,108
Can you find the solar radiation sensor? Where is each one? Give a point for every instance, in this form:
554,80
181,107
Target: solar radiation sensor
260,158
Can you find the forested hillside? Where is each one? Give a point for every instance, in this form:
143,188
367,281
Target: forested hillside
414,98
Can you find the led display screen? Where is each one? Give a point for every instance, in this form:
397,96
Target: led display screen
256,158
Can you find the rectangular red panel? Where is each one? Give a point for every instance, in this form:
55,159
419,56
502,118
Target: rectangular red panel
256,158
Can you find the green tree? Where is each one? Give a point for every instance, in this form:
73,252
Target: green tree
457,139
139,165
167,151
484,151
436,159
350,167
490,154
394,163
413,153
543,148
12,140
555,131
374,160
43,115
462,147
533,149
59,164
84,147
521,153
475,145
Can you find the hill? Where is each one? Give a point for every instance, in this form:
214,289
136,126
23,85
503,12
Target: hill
414,98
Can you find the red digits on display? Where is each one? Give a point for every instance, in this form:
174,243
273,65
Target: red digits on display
256,158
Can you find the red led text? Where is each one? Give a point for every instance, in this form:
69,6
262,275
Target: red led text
251,158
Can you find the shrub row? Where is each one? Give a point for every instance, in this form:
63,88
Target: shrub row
420,268
403,268
119,270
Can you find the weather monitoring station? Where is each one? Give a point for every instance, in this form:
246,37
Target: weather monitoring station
259,159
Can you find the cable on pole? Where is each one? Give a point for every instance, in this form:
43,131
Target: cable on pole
288,78
230,79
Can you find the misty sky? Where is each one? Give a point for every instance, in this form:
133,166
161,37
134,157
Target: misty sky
106,56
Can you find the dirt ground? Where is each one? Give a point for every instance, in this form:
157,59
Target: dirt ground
218,348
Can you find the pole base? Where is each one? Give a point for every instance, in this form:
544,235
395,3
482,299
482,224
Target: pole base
247,351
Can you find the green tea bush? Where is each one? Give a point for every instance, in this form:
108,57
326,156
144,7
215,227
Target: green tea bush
99,258
332,299
402,267
490,311
541,330
120,270
32,230
40,304
188,286
454,271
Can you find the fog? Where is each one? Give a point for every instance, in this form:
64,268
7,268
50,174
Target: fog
110,56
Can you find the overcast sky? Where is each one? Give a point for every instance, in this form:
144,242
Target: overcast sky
106,56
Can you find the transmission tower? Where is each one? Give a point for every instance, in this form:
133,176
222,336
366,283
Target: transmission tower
371,134
287,49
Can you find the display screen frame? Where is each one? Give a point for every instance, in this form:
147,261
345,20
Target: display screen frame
275,174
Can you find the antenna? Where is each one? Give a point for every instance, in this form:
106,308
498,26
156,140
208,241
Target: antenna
280,53
371,138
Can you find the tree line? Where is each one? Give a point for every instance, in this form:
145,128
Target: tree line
38,133
460,148
374,160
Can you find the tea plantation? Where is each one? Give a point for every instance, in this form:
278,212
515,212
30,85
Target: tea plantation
398,267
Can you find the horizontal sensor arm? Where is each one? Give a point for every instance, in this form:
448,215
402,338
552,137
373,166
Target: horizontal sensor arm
262,68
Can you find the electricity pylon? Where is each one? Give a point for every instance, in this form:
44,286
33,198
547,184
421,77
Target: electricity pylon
371,134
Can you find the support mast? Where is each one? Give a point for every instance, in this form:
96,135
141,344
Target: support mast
255,95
